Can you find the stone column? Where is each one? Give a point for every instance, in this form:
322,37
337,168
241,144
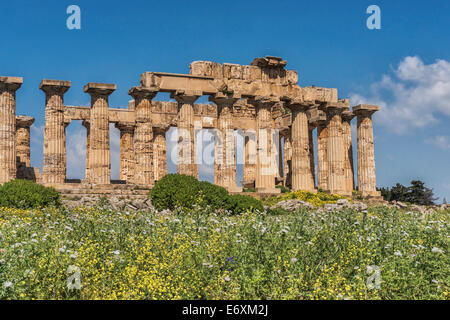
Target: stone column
335,148
367,183
287,160
8,88
143,135
87,125
249,167
224,146
311,156
127,162
280,157
23,124
54,164
160,152
99,146
265,166
319,120
187,155
347,117
301,162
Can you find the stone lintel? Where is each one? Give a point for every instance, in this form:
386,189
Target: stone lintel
365,109
224,98
171,82
24,121
57,86
100,88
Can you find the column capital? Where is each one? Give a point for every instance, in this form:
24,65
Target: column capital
297,103
161,128
58,87
141,93
125,126
86,123
263,101
10,83
365,110
221,98
186,96
347,115
99,89
24,121
316,117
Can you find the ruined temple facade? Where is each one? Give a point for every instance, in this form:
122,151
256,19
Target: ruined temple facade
255,100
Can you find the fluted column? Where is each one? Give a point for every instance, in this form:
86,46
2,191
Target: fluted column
54,164
249,167
367,183
127,161
224,146
8,166
99,146
335,149
160,152
301,162
312,168
143,135
265,166
287,160
319,120
187,155
23,124
86,124
347,117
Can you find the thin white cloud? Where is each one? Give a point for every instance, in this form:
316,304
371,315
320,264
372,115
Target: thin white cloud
413,97
442,142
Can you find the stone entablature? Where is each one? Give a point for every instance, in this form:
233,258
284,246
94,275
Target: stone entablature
254,99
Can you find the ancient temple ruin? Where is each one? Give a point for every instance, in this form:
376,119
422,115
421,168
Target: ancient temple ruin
256,99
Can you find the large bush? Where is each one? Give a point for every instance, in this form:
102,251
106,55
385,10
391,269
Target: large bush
214,196
175,190
240,203
26,194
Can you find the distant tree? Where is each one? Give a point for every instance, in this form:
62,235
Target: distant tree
417,193
444,201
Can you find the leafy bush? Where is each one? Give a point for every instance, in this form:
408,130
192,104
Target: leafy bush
214,196
283,189
175,190
240,203
26,194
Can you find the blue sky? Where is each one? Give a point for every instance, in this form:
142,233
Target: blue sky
405,66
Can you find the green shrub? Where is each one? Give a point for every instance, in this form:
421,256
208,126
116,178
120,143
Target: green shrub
214,196
283,189
175,190
26,194
240,204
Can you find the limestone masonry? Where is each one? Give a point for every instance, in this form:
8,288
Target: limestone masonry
256,100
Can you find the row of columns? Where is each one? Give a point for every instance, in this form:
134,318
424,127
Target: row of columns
335,173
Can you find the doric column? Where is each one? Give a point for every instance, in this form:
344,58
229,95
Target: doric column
160,151
127,162
224,146
312,168
8,88
287,160
347,117
143,135
280,156
301,162
265,163
86,124
367,183
54,164
249,167
335,148
319,120
23,124
187,155
99,146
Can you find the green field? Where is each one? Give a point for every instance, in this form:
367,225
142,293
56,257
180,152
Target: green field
199,255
